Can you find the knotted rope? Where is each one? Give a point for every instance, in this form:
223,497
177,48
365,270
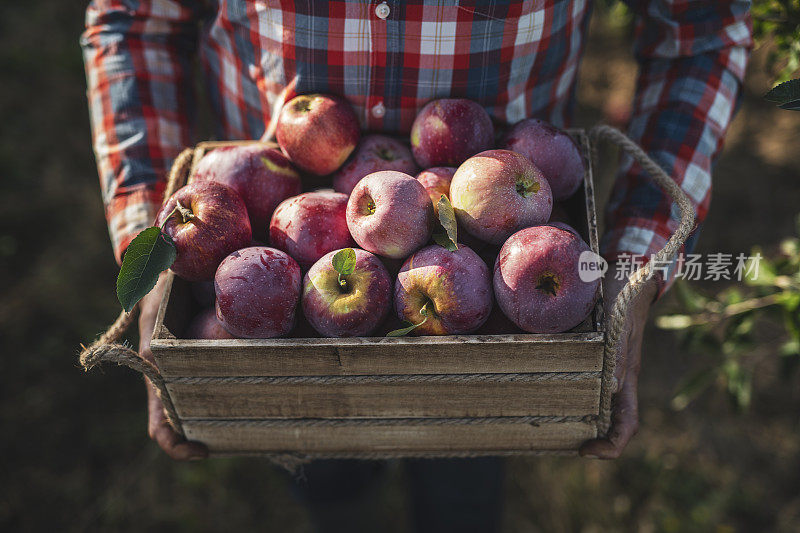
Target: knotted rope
107,349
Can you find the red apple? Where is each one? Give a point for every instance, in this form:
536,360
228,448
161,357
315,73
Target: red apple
317,132
564,226
552,151
537,282
498,192
448,131
262,176
353,309
206,325
455,286
310,225
257,292
390,214
374,153
207,221
436,181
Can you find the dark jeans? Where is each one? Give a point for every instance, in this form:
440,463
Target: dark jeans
462,495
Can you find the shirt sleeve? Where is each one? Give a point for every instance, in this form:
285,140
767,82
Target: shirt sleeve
692,56
138,58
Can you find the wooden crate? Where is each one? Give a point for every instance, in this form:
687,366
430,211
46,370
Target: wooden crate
466,394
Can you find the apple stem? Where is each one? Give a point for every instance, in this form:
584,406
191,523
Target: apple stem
404,331
166,219
342,282
185,212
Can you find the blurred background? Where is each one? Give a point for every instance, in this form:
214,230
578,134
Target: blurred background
719,445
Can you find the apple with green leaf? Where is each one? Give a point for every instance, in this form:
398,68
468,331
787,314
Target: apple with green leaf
347,293
206,221
444,289
261,175
436,181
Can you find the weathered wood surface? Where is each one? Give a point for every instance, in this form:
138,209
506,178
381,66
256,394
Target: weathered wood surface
395,438
576,352
399,399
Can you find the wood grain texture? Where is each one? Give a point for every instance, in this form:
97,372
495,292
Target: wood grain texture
499,437
574,352
385,400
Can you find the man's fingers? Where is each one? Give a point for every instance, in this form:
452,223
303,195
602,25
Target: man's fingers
175,446
625,424
168,440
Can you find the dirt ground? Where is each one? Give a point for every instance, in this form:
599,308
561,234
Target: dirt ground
74,455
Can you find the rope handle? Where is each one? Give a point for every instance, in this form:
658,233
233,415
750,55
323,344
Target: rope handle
616,320
107,349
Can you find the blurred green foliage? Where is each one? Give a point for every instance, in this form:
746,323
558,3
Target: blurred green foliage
723,326
778,22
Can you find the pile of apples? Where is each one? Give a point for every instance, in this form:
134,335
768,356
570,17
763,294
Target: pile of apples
349,256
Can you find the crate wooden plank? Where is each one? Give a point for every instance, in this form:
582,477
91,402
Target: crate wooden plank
399,399
495,437
577,352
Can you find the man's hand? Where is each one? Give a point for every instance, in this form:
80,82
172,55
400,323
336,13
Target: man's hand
158,427
625,408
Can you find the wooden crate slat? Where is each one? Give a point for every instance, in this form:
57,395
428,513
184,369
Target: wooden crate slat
395,438
579,352
386,400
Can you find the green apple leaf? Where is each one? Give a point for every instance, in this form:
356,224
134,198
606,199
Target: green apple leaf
405,331
785,95
444,241
149,254
344,261
447,218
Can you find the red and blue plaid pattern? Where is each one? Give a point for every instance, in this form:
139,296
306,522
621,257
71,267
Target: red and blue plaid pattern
517,58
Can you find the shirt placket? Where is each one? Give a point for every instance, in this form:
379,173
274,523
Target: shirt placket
379,13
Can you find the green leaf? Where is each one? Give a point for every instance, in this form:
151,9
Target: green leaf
405,331
344,261
149,254
447,218
444,241
786,95
794,105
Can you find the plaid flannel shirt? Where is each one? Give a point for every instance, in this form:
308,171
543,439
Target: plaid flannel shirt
388,58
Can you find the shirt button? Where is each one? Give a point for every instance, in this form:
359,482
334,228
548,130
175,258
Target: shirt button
378,110
382,10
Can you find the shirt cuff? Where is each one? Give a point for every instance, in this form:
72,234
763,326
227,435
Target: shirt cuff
634,244
129,214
